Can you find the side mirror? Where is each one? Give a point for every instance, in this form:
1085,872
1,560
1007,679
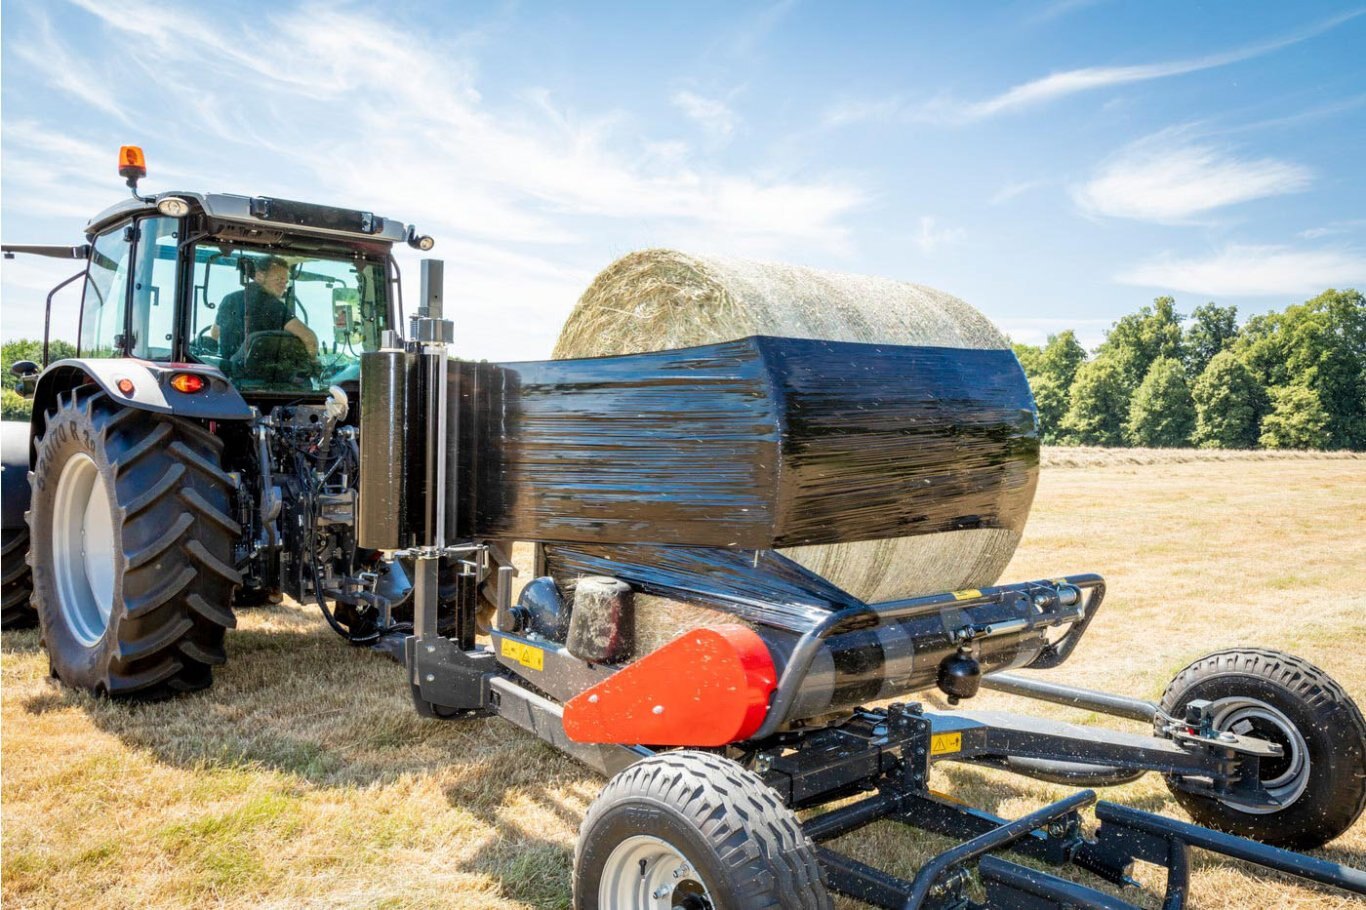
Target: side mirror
27,371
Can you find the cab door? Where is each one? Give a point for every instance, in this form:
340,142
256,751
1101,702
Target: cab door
104,299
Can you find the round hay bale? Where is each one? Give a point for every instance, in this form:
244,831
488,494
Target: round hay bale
656,300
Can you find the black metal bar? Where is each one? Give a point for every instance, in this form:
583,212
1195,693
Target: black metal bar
47,314
847,818
1072,696
545,719
1005,881
997,733
868,615
1250,851
1178,876
1008,833
862,882
1056,653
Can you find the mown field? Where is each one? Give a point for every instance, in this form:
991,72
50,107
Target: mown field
303,778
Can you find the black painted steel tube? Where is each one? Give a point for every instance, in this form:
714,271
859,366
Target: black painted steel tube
931,872
1050,887
1102,702
839,821
1297,864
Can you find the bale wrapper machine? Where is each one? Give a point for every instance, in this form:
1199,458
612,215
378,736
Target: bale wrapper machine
647,481
616,554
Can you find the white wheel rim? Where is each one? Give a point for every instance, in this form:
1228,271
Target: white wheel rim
83,549
1251,717
645,872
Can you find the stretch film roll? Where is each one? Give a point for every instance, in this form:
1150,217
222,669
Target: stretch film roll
662,299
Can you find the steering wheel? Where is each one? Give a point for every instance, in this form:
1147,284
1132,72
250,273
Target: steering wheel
275,356
203,344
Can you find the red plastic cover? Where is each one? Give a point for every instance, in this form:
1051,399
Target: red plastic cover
708,687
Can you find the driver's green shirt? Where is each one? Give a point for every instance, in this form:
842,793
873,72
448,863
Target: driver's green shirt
236,320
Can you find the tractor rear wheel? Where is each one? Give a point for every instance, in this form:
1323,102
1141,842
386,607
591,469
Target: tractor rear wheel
1320,779
694,830
132,541
15,610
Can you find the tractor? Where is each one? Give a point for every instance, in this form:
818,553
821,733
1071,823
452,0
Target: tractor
248,418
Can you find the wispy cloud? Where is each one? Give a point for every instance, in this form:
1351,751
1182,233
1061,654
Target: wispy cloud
1168,177
1011,190
1252,271
67,72
498,174
1336,227
1090,332
1060,8
713,115
1037,92
1071,82
349,107
929,236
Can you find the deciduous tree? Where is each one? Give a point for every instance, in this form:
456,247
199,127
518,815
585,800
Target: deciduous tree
1229,404
1161,412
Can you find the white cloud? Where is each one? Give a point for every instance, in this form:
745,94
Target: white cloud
853,111
1251,271
1089,332
418,134
343,106
1336,227
1036,92
930,236
1167,178
1011,190
714,116
1071,82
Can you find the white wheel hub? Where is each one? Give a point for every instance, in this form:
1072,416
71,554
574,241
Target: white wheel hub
83,549
645,872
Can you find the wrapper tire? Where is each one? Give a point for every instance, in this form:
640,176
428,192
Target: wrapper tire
1333,740
16,612
747,848
171,537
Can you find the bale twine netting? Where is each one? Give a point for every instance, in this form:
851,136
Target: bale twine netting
662,299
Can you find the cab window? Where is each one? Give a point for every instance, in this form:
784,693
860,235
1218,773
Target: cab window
277,320
104,303
154,288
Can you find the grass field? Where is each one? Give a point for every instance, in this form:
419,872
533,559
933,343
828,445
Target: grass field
304,779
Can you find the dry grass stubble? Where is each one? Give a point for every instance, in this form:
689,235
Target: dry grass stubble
303,778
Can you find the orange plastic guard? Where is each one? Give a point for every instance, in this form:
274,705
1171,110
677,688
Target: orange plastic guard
708,687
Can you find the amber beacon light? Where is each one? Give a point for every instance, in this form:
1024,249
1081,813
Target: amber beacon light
132,163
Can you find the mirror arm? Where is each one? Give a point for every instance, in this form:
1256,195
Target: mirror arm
47,314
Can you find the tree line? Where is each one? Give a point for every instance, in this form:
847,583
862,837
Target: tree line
1283,380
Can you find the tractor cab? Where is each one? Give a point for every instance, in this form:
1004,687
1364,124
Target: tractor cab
280,296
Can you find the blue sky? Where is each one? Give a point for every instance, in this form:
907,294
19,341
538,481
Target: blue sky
1055,164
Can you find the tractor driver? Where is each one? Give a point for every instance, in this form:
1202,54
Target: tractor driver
260,307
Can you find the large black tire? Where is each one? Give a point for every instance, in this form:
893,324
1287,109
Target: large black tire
738,843
1268,694
169,550
15,610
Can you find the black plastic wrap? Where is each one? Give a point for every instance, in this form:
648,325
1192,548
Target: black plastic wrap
753,444
762,587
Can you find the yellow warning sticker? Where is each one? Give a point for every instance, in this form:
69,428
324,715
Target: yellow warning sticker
967,595
525,654
946,743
